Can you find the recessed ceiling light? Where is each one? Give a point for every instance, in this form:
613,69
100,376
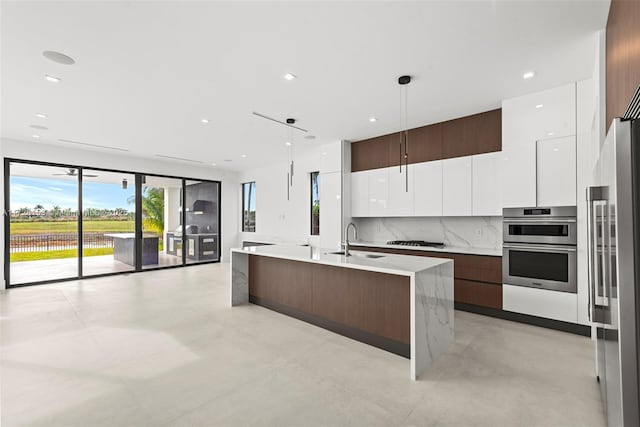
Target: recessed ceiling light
288,144
52,79
528,74
39,127
58,57
290,76
550,133
213,164
204,120
36,136
243,156
41,116
539,106
373,119
324,153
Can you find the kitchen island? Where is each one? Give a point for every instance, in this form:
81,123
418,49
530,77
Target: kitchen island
402,304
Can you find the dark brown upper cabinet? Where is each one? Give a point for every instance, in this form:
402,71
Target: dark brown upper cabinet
425,143
476,134
374,153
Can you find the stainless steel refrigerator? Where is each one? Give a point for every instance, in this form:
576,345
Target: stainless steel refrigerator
614,270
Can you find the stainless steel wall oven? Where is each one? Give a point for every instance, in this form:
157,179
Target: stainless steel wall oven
539,248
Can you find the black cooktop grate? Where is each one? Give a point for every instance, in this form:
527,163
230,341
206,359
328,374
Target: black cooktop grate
415,243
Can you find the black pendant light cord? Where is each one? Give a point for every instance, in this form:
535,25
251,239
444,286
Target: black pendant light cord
403,81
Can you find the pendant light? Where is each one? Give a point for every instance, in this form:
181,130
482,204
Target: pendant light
290,157
403,81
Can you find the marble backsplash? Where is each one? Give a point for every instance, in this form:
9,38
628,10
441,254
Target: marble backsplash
463,232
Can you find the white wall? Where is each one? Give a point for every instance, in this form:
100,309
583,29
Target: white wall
100,159
279,219
171,209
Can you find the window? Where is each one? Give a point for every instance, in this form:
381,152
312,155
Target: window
249,206
70,222
315,203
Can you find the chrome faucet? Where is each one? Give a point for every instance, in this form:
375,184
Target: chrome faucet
346,237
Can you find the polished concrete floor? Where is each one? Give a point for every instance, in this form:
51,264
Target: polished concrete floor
165,348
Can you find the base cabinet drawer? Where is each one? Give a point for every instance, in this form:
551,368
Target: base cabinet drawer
477,293
540,302
477,278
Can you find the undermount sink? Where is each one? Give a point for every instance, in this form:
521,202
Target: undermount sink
372,256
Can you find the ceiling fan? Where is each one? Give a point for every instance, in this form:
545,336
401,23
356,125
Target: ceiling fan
73,172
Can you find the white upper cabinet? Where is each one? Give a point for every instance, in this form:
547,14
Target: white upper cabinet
519,171
427,194
360,193
330,200
525,120
378,192
487,184
556,171
456,186
400,196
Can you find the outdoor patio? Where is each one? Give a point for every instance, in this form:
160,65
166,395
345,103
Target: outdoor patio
37,271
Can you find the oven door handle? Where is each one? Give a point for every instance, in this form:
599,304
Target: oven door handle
539,248
539,220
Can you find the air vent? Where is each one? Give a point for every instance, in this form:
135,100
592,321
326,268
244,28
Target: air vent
68,141
178,158
633,111
278,121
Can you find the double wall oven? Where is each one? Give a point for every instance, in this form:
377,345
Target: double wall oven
539,248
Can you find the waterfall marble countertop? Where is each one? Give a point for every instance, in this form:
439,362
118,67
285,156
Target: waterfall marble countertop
387,263
447,249
430,290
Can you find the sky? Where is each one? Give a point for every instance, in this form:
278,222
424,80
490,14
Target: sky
48,192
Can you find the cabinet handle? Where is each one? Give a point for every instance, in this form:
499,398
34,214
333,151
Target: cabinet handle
400,158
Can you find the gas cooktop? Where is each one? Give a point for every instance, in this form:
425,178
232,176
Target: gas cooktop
415,243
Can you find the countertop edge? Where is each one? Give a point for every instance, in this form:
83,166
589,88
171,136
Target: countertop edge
388,270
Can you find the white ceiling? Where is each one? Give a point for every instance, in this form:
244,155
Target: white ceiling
146,72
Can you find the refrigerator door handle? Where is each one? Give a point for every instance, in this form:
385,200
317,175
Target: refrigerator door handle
594,194
590,257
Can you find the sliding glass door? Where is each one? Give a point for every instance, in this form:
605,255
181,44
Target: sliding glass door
202,221
43,223
108,222
161,221
67,222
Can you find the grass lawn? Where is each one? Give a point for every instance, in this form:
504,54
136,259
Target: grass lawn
67,253
70,227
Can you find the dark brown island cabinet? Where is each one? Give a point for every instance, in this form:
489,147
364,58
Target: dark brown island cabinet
477,278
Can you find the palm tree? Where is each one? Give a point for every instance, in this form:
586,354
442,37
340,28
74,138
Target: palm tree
56,211
152,209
